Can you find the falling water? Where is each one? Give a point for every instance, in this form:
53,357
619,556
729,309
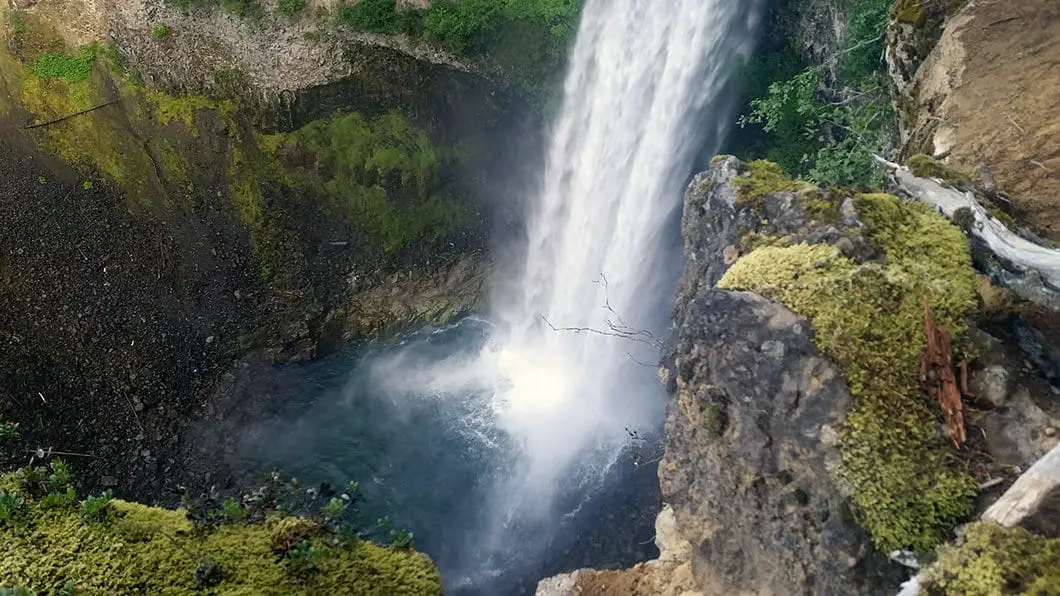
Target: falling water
646,93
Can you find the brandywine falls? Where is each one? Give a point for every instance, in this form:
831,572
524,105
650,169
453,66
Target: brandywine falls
551,297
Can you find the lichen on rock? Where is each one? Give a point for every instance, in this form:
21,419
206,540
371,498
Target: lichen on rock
867,317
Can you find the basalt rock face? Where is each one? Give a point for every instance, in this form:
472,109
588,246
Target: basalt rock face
751,427
277,210
748,446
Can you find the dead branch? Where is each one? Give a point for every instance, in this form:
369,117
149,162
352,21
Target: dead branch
937,376
69,116
1014,123
616,327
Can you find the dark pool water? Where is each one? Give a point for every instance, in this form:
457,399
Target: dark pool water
431,460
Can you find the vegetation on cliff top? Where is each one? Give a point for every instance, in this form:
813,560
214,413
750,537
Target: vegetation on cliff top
820,116
53,542
900,471
989,559
528,39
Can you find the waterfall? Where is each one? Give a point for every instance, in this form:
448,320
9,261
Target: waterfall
645,95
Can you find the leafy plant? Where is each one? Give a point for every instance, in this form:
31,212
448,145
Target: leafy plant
402,539
8,431
334,509
306,556
161,31
289,8
97,508
58,500
233,511
824,121
9,503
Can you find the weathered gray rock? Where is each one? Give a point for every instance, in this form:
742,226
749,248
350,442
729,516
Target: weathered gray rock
748,448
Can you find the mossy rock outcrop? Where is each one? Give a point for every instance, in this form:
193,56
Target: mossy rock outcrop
51,543
990,559
867,455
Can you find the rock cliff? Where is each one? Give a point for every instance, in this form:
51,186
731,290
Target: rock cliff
981,97
185,187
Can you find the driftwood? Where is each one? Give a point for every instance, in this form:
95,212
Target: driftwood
1031,270
938,378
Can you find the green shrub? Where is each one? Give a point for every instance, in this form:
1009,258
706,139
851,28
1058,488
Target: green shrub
334,509
306,556
9,503
290,8
379,16
817,128
232,511
161,31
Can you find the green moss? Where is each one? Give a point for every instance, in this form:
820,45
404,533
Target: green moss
764,177
990,559
910,12
182,108
712,419
925,167
146,550
386,175
161,31
868,318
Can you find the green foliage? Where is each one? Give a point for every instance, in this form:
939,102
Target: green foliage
334,509
989,559
161,31
289,8
9,504
823,122
926,167
387,175
307,556
17,592
8,431
402,539
868,319
233,511
97,508
72,69
527,38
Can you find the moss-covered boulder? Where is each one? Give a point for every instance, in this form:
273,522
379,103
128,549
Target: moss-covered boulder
990,559
50,542
859,449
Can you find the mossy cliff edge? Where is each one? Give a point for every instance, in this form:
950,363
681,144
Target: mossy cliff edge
54,543
796,412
